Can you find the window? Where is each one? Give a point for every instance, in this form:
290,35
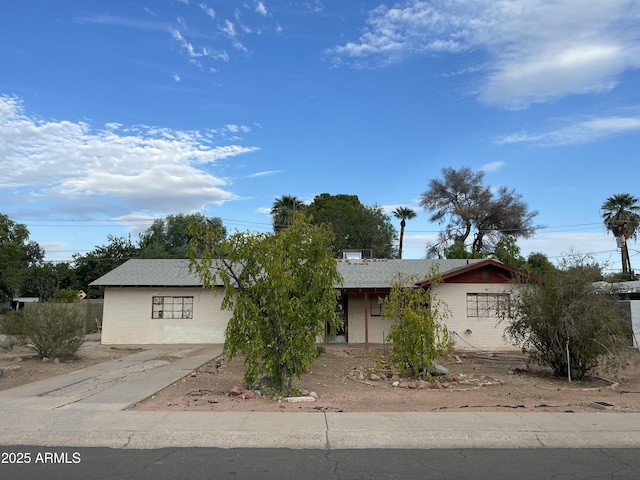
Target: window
375,308
172,307
487,304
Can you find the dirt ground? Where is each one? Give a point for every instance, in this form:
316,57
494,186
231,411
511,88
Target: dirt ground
350,379
21,365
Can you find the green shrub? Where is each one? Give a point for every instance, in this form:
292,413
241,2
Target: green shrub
12,323
566,324
49,329
419,334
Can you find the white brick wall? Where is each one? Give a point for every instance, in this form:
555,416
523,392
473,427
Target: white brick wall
127,317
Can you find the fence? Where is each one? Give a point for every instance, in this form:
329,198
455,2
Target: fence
90,309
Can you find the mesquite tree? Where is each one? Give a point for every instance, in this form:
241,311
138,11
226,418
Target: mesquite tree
282,290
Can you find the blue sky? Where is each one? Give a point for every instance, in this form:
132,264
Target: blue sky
116,113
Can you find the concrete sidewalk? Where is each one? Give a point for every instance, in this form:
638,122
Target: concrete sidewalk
87,409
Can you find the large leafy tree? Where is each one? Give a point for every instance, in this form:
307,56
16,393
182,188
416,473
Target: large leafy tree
168,237
17,255
284,211
508,252
102,260
404,214
539,264
621,216
41,281
471,210
281,288
566,324
355,226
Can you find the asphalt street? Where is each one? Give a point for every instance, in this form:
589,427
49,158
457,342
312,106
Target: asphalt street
52,463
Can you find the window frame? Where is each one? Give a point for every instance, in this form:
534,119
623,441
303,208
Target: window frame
179,307
375,305
488,305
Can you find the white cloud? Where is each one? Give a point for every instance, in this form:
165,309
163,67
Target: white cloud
492,166
265,173
176,77
532,51
208,10
229,29
261,9
187,46
315,6
265,210
237,128
142,167
583,131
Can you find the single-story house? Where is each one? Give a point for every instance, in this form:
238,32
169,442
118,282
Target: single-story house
155,301
18,303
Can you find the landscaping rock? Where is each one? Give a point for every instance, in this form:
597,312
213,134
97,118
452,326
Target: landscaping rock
236,391
242,392
440,370
300,399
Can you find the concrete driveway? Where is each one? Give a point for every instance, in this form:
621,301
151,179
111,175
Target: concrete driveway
87,408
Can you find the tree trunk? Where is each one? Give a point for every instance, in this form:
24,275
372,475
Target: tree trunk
402,225
285,385
626,264
478,242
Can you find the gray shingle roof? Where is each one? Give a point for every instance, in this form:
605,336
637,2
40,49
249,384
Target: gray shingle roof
380,273
356,274
149,272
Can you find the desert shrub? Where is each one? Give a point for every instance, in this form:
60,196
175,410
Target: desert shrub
568,325
419,335
49,329
12,323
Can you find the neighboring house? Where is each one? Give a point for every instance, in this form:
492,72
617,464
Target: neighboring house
18,303
161,301
629,295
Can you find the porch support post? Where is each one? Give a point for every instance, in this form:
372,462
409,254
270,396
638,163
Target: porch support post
366,321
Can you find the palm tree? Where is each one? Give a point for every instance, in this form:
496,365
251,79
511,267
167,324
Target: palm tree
621,217
404,214
283,211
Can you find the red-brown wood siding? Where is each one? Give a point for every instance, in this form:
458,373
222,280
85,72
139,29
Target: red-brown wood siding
491,275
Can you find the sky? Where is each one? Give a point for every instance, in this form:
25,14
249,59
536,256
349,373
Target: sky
116,113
